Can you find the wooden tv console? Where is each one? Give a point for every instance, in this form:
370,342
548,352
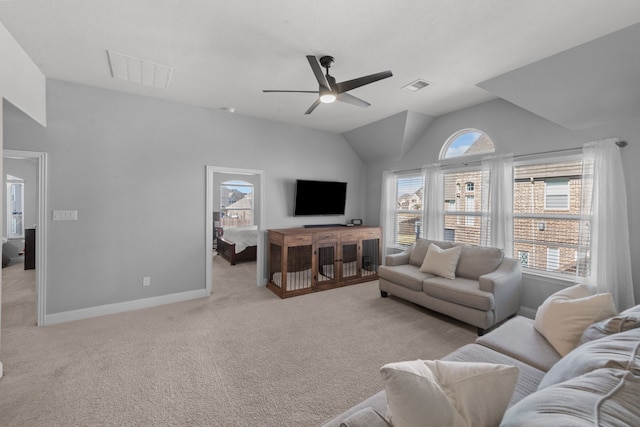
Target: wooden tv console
305,260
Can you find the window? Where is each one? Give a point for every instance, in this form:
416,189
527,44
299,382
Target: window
15,202
408,214
462,210
466,142
556,194
470,186
236,204
523,256
546,224
553,259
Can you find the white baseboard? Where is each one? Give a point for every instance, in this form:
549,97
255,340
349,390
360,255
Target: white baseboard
102,310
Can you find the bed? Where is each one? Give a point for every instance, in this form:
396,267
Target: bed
238,244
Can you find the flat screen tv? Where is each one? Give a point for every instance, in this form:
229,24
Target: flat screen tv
320,198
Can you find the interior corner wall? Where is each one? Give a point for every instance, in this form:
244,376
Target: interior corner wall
134,169
517,131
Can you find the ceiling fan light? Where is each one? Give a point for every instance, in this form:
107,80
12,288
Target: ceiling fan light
327,97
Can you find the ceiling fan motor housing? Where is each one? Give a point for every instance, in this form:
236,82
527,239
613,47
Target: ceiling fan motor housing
327,62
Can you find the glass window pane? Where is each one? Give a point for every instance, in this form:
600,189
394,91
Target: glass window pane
236,204
409,188
547,208
467,142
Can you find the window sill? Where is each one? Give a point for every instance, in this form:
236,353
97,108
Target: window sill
555,277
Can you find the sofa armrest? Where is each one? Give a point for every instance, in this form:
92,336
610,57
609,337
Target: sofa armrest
399,258
504,283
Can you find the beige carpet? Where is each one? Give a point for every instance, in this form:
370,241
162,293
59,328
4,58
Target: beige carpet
242,357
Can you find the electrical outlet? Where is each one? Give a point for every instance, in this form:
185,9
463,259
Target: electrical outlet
146,281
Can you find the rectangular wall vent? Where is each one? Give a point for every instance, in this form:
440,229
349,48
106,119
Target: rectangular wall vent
416,85
139,71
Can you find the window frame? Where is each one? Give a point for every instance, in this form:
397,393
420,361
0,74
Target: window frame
464,218
555,214
11,184
454,137
224,209
408,176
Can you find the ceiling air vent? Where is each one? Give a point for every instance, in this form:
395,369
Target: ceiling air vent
416,85
139,71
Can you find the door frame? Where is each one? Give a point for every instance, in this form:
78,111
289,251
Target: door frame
41,229
209,206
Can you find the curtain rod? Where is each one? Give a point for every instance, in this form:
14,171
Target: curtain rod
620,144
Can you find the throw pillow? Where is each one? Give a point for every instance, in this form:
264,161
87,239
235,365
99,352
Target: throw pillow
441,393
627,320
441,262
619,351
563,317
604,397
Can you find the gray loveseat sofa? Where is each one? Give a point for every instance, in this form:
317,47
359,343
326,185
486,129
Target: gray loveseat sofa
598,383
485,291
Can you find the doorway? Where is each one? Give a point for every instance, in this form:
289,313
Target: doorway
214,175
40,225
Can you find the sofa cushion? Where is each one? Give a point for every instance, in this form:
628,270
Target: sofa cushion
367,417
476,261
528,377
461,291
518,338
620,351
628,319
441,262
378,402
421,247
438,393
404,275
605,397
564,316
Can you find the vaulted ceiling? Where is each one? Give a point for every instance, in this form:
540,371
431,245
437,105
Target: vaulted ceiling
223,54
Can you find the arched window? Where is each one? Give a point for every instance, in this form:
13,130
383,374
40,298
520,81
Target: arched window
466,142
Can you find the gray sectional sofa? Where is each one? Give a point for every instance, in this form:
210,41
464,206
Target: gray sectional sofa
485,291
598,383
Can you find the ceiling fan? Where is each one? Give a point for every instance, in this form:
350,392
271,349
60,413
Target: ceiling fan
331,91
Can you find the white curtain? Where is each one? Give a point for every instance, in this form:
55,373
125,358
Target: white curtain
387,209
497,202
605,237
433,202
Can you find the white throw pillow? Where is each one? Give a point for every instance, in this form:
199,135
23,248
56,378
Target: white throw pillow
441,262
563,317
437,393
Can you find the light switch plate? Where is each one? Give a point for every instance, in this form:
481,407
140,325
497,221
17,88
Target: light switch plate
65,215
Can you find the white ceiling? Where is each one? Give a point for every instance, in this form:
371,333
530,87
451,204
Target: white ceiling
224,53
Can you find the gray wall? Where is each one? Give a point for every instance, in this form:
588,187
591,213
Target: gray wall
514,130
134,169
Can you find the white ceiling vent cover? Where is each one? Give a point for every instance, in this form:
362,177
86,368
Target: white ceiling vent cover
416,85
139,71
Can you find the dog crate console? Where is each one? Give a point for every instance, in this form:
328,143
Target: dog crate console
304,260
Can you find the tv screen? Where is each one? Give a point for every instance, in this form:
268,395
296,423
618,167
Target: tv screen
320,198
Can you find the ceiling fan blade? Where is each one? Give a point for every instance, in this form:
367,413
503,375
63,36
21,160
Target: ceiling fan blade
294,91
361,81
350,99
313,106
315,66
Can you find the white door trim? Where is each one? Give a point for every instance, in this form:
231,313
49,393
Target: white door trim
41,229
209,206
